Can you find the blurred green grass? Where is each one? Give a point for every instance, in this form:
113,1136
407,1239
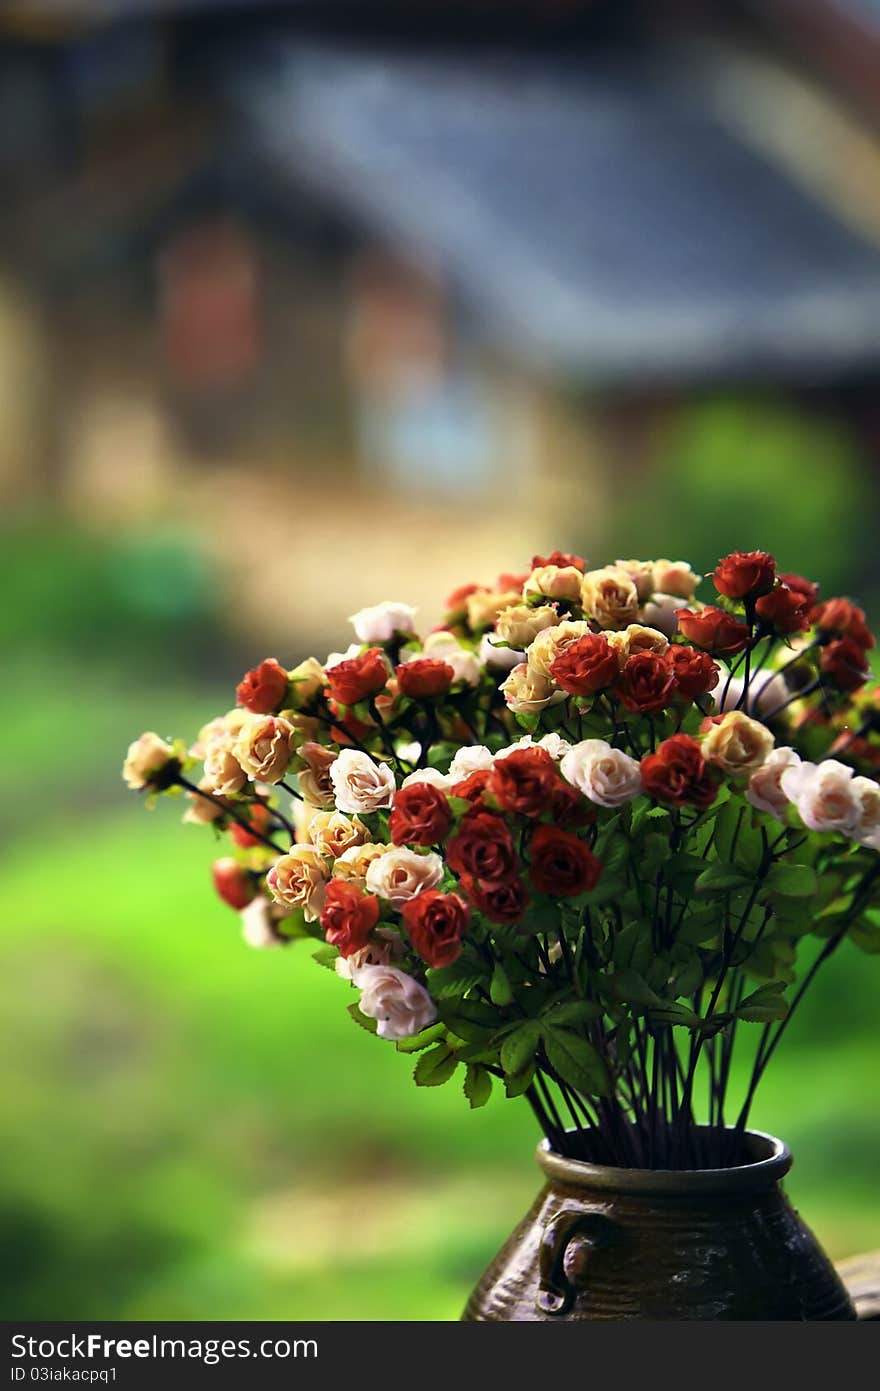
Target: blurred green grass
189,1128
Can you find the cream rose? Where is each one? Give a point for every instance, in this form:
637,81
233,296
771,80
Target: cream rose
265,746
555,582
525,690
609,596
520,625
675,577
314,778
385,947
737,744
380,622
661,612
331,833
551,642
359,784
400,874
401,1006
868,794
202,811
442,647
224,775
636,638
306,680
147,759
765,785
473,758
823,795
431,775
641,572
299,880
484,606
219,728
354,863
605,775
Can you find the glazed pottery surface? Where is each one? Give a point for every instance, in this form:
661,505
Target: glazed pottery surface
606,1243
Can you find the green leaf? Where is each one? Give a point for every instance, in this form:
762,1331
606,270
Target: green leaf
793,881
362,1019
432,1034
519,1082
632,989
500,992
470,1019
719,878
572,1012
576,1061
765,1003
477,1085
326,956
671,1012
463,975
294,927
518,1048
435,1067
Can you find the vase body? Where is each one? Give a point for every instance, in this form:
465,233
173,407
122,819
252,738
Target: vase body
604,1243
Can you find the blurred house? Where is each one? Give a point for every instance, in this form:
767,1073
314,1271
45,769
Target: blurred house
456,277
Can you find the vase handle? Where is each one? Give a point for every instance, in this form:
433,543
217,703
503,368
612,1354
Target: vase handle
556,1293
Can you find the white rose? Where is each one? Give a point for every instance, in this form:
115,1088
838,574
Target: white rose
334,658
607,776
431,775
258,924
384,948
400,874
556,746
765,785
824,796
382,621
359,784
473,758
661,612
676,578
767,690
502,657
868,793
442,647
401,1006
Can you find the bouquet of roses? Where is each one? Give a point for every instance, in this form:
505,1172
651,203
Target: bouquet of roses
570,840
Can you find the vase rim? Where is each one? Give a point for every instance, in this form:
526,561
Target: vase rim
772,1161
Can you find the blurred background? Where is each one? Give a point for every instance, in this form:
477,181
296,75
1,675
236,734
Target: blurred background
307,305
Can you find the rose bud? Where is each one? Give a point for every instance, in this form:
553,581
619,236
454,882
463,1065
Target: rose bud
745,574
587,665
678,773
235,885
359,677
263,690
561,864
694,671
524,782
843,619
713,629
150,762
844,662
348,916
420,815
425,679
259,817
647,685
504,902
783,610
807,588
435,922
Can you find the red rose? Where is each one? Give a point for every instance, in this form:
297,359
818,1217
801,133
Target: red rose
473,786
744,574
678,773
359,677
425,678
569,807
647,683
263,690
560,558
784,610
435,922
713,629
844,619
235,885
257,816
586,665
420,815
844,662
524,782
456,604
809,590
348,916
694,671
561,864
504,902
507,582
483,847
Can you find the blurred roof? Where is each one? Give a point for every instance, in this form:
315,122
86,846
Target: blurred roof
599,213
